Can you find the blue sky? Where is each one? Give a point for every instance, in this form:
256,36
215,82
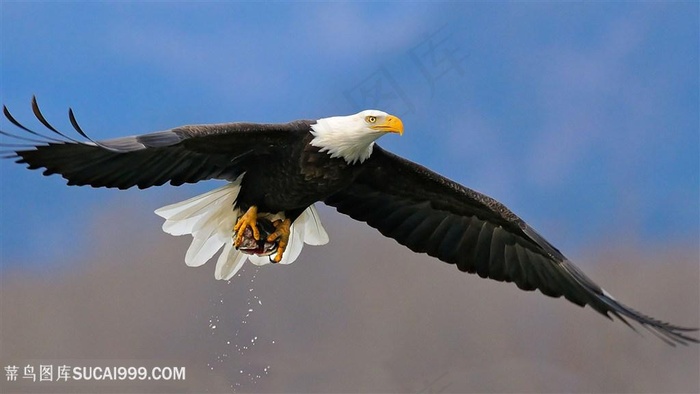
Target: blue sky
582,118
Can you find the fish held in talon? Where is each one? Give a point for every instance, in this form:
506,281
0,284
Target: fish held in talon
262,246
248,221
281,237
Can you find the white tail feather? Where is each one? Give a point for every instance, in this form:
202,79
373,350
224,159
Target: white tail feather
229,262
182,218
314,233
210,218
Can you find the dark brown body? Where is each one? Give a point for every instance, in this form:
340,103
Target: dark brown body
293,179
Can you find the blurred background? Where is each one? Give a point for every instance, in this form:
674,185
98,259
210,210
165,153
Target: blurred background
582,118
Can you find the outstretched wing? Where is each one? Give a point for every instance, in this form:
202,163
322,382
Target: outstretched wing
431,214
184,154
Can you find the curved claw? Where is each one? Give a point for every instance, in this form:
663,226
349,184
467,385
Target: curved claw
282,232
249,219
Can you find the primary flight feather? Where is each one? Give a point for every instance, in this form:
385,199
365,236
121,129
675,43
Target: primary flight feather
276,172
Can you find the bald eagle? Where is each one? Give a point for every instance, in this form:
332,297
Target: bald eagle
277,172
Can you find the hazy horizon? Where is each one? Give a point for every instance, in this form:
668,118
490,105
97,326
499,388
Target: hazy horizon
361,314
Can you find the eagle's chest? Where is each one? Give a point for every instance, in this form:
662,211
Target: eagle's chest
293,181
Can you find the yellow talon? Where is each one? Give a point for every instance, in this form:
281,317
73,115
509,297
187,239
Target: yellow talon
282,231
249,219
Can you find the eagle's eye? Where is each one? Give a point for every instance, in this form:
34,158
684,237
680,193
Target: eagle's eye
370,119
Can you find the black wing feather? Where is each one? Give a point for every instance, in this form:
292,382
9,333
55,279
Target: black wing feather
181,155
431,214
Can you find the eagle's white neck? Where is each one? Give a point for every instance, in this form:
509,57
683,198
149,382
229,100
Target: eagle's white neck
340,136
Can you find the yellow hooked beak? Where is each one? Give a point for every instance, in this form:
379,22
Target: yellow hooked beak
391,124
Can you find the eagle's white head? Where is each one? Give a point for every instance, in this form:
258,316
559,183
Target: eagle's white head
352,137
